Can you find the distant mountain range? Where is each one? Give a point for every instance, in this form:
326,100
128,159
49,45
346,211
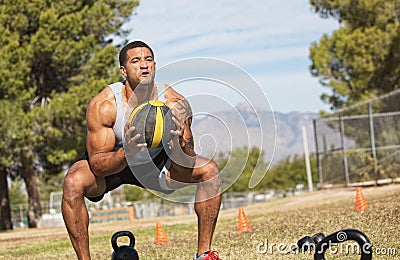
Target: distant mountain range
226,130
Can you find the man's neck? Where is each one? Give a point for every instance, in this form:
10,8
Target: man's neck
140,95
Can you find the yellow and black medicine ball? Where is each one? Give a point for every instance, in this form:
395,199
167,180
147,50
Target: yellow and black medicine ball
153,121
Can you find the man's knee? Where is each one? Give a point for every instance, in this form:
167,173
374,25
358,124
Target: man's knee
209,171
72,187
212,169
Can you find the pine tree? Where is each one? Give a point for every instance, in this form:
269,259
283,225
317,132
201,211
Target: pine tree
361,59
54,55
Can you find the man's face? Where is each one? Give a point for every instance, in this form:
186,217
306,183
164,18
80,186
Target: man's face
139,67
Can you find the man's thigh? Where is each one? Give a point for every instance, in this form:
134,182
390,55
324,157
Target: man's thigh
179,177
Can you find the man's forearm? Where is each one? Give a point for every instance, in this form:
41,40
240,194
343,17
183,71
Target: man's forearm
104,164
184,156
187,145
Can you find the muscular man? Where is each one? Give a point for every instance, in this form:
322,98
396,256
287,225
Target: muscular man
105,165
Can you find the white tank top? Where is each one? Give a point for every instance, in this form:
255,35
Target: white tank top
145,155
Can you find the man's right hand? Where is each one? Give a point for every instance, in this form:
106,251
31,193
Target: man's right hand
131,146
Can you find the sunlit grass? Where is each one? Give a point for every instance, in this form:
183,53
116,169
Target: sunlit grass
281,221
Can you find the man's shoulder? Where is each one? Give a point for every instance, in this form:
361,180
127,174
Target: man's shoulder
104,94
104,102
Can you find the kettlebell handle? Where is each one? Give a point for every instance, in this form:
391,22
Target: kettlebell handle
118,234
341,236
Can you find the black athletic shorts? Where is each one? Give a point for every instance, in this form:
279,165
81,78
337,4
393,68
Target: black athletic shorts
144,176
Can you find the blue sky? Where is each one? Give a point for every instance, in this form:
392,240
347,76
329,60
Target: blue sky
268,39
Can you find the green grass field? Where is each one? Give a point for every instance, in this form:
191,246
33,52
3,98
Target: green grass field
281,221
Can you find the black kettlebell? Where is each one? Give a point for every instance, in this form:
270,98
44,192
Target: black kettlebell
305,244
308,243
124,252
318,237
340,237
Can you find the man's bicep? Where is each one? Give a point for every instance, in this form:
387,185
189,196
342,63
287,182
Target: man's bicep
100,141
100,136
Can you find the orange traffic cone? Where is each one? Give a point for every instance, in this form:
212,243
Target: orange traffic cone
243,223
361,202
161,237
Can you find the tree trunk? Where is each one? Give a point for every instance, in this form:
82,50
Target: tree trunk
5,212
34,207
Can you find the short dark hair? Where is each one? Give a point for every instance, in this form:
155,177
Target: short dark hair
135,44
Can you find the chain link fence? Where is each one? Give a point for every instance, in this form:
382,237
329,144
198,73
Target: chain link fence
360,145
148,208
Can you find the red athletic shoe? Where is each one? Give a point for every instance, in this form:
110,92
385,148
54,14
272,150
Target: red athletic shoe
212,255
